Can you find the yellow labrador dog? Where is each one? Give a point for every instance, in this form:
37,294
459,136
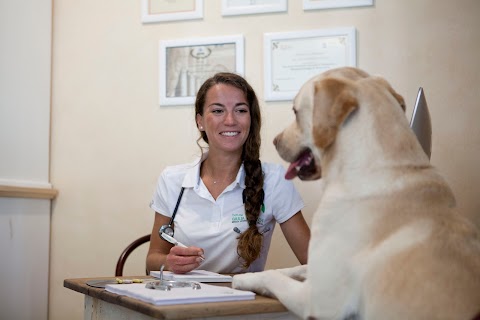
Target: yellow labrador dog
386,240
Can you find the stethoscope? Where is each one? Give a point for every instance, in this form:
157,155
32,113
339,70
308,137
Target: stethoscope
168,228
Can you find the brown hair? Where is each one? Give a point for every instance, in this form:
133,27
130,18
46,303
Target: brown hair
250,241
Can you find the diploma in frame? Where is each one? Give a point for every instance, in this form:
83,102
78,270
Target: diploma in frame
186,64
171,10
239,7
328,4
292,58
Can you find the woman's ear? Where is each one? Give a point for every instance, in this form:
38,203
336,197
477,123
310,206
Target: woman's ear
199,120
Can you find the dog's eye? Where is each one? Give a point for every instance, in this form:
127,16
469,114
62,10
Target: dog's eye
294,111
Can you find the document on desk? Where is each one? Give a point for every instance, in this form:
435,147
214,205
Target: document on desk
186,295
195,275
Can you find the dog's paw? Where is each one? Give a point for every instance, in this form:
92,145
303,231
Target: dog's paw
245,281
251,282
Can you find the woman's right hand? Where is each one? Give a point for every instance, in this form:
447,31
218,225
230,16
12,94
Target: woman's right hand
183,260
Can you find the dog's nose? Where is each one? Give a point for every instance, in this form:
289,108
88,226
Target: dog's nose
275,140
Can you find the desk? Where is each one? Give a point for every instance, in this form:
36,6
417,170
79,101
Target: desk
101,304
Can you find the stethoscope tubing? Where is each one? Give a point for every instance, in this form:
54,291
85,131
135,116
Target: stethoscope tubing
176,206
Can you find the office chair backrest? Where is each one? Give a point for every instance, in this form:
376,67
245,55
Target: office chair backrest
128,250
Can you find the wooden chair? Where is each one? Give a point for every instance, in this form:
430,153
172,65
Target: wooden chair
128,250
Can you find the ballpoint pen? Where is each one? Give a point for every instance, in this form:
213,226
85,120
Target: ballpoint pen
175,242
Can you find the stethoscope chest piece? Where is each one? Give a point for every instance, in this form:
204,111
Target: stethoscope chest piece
166,228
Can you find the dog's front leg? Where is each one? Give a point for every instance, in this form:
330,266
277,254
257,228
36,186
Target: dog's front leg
298,273
293,294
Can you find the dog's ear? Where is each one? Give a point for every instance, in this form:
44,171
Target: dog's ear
398,97
334,100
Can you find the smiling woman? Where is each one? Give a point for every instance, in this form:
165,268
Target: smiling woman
231,200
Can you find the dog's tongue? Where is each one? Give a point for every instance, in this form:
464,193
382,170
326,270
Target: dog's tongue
293,169
303,160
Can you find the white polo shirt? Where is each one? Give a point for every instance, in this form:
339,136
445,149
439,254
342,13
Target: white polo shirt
207,223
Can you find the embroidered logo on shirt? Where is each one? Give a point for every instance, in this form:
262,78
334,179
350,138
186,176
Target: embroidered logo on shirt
238,217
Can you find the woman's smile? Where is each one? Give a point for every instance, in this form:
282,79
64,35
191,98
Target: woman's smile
230,133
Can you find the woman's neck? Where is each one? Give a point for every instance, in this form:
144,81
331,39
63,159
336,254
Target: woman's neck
217,166
217,172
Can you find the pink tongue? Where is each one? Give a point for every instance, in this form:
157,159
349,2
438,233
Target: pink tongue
292,170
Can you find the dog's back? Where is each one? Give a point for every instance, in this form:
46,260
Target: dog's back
386,241
418,258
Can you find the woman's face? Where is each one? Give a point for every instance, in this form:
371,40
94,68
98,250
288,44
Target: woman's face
226,118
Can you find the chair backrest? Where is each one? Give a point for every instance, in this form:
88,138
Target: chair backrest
128,250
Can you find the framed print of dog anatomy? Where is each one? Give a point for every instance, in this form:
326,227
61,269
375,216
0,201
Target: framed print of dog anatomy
186,64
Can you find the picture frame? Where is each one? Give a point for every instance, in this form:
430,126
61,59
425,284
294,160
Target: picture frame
292,58
167,10
330,4
185,64
242,7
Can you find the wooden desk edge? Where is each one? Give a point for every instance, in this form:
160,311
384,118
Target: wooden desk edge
261,304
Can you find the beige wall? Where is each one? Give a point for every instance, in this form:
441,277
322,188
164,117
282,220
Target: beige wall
111,139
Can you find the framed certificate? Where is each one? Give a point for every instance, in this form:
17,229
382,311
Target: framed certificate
328,4
292,58
186,64
171,10
239,7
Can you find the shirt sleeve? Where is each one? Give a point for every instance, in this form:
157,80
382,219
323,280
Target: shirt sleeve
159,201
285,199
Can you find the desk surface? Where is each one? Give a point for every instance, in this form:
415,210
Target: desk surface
260,305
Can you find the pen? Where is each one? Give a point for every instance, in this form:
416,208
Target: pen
174,241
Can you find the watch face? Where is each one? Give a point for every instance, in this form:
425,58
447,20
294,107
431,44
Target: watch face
167,228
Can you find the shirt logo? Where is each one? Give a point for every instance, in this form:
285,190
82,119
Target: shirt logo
238,217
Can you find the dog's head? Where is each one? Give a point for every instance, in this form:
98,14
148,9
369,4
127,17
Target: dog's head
321,107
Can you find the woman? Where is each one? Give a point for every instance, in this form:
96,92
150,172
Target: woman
227,201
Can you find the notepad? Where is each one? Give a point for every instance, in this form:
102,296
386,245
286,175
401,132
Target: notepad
195,275
207,293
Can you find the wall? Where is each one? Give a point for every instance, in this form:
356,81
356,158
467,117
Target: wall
111,139
25,56
24,248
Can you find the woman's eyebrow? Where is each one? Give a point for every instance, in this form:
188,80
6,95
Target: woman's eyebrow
216,104
222,105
